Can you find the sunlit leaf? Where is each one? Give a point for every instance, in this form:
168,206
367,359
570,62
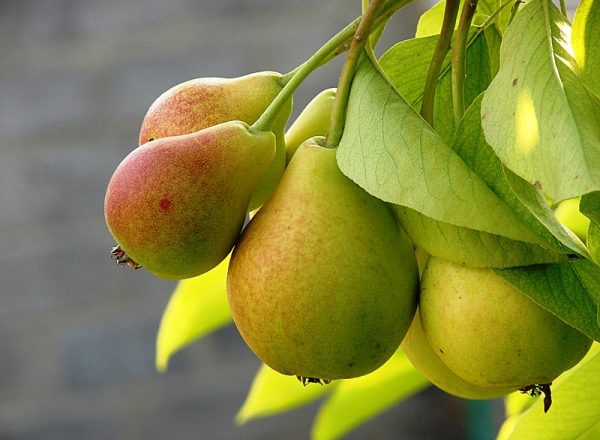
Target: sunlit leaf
430,21
354,401
585,38
197,307
575,406
537,115
564,289
390,151
272,393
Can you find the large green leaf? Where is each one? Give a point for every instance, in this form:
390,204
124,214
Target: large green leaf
197,307
406,65
273,393
562,290
354,401
537,115
390,151
575,409
585,37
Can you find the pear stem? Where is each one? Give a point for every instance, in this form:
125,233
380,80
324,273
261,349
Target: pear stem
441,49
459,59
361,37
337,45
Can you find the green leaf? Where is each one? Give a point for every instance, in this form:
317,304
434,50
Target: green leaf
589,275
354,401
406,65
593,243
197,307
560,289
575,406
273,393
537,115
391,152
585,37
468,246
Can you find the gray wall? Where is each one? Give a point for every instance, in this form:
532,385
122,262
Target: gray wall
76,332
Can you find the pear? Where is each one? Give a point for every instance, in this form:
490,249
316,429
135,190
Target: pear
425,360
202,102
312,121
568,215
490,334
176,205
323,283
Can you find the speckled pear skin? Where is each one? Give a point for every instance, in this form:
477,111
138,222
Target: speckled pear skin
203,102
489,333
322,284
176,205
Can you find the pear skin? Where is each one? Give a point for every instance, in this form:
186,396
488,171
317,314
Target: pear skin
176,205
322,283
424,359
203,102
489,333
312,121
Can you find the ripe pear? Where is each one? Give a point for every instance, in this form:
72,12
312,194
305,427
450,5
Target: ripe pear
312,121
421,355
322,283
203,102
490,334
176,205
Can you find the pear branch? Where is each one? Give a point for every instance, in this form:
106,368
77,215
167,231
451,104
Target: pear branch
337,45
459,59
338,113
441,49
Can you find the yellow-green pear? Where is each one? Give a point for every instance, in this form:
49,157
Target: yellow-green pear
203,102
569,215
489,333
322,283
312,121
421,355
176,205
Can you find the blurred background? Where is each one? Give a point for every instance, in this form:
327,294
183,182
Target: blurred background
77,332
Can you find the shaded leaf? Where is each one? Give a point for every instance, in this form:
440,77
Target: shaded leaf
354,401
468,246
273,393
590,207
390,151
197,307
537,106
560,289
585,37
575,406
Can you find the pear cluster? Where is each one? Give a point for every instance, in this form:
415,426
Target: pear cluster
322,283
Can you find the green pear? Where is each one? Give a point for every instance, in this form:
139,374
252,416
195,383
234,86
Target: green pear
424,359
203,102
176,205
323,283
569,215
490,334
312,121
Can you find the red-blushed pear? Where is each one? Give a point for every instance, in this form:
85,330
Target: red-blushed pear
203,102
176,205
312,121
424,359
322,283
490,334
